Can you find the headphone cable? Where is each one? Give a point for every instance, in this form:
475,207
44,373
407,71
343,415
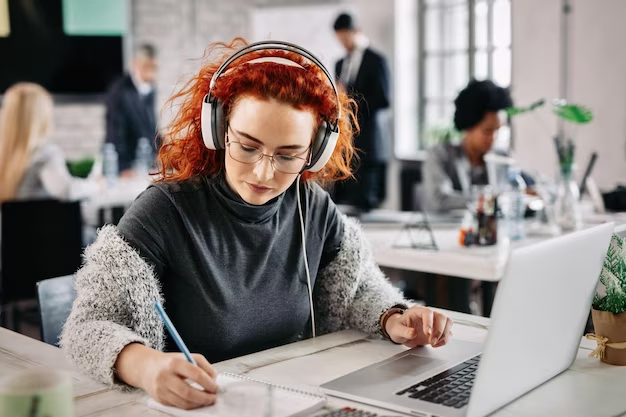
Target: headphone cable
306,262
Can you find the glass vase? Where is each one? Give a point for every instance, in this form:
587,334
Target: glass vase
567,210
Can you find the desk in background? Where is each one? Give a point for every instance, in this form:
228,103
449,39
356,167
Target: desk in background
445,273
588,388
383,228
110,205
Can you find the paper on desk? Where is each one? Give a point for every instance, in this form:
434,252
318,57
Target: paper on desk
248,398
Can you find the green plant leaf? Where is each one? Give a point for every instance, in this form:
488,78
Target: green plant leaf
572,113
442,133
613,277
514,111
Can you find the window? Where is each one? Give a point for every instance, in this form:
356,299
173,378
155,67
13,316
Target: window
457,40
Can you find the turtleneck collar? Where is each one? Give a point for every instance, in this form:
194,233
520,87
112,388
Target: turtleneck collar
236,206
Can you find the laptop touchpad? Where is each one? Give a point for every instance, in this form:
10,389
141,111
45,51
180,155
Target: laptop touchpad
410,365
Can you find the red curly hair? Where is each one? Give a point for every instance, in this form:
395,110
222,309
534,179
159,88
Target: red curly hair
184,155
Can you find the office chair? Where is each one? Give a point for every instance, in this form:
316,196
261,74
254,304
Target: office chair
55,296
40,239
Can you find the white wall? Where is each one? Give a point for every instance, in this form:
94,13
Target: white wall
310,27
596,78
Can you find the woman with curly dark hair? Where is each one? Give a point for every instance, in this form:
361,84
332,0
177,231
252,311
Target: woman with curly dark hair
451,169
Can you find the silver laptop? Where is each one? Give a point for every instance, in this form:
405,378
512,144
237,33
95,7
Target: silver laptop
538,318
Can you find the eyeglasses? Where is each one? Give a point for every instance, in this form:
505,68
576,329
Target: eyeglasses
247,154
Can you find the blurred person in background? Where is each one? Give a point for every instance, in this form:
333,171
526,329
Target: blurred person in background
31,167
450,170
365,75
130,109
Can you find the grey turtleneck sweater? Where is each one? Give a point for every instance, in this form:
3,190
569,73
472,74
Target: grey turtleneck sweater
231,267
230,275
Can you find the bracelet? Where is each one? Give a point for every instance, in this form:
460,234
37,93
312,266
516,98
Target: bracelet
397,309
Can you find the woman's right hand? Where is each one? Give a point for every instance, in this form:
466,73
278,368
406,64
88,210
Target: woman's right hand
164,376
166,381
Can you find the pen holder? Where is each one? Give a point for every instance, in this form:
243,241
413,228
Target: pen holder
480,227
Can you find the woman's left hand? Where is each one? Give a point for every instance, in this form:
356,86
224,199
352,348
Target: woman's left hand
419,326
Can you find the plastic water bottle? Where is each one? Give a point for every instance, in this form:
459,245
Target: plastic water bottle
143,157
514,206
110,168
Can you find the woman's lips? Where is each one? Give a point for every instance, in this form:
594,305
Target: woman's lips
258,188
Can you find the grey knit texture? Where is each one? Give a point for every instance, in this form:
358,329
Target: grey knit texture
352,291
116,289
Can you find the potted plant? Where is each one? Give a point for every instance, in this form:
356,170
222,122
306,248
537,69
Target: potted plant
566,206
609,307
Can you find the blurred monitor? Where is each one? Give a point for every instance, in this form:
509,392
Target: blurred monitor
71,47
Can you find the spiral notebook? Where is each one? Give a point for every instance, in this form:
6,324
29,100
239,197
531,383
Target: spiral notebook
246,397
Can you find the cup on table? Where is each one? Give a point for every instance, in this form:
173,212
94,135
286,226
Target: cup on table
36,393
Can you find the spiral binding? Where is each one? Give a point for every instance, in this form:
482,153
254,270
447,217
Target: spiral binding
311,392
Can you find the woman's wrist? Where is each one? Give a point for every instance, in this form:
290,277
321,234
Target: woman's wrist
388,318
131,363
391,321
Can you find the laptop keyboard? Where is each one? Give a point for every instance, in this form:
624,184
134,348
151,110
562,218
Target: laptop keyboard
450,388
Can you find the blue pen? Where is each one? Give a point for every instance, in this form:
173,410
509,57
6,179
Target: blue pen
173,332
179,342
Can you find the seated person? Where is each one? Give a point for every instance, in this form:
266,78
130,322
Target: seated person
218,237
451,170
30,165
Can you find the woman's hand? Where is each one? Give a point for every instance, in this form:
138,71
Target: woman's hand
419,326
165,376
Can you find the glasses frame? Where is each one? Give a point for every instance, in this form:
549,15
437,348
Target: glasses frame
306,161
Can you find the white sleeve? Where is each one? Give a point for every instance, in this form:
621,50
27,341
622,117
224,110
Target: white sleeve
439,194
58,181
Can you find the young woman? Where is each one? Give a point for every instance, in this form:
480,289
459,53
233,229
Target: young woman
450,170
31,166
244,248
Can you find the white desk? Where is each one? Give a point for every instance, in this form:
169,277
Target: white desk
481,263
121,195
588,388
484,263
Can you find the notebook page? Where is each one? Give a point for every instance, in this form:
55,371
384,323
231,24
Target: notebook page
244,398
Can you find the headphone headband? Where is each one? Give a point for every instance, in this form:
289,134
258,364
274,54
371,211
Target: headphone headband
280,46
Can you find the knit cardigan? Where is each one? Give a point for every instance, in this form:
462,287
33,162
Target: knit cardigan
116,290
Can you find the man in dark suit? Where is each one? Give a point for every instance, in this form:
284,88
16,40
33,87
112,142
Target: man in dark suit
130,109
365,75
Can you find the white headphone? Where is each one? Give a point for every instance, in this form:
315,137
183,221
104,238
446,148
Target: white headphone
213,119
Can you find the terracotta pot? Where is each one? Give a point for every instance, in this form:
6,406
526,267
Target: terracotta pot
613,327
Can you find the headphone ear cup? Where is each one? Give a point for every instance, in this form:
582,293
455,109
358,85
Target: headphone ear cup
323,146
212,123
218,124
